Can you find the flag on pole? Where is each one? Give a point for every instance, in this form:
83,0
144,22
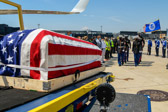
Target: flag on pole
152,26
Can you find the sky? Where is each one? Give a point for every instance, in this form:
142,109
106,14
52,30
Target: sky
113,15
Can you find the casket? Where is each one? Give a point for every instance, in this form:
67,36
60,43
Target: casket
42,54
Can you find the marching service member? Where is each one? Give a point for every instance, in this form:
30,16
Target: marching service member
142,44
128,46
164,45
157,45
136,49
120,45
149,46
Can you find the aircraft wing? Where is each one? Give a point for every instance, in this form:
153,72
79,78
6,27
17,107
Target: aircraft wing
80,7
6,12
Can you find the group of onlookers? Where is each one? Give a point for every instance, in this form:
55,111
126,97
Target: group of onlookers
159,41
107,45
122,46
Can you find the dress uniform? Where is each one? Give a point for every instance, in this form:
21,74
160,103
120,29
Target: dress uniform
157,45
149,46
135,49
164,45
120,45
128,46
141,46
125,50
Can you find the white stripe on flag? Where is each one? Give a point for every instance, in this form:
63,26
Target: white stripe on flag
44,56
48,69
25,51
63,60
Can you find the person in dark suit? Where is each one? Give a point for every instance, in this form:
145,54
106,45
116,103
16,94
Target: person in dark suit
94,40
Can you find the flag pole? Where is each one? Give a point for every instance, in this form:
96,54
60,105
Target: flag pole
160,31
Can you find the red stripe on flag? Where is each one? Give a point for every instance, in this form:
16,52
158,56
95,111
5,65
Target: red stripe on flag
35,55
58,73
57,49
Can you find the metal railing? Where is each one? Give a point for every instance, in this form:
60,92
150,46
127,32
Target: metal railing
19,7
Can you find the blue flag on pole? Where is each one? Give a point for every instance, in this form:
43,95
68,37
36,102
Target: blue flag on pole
152,26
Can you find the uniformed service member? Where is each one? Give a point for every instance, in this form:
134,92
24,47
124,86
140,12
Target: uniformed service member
128,46
124,50
164,45
149,46
157,45
135,49
120,45
142,44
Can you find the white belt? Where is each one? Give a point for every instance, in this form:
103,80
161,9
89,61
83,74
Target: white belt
47,69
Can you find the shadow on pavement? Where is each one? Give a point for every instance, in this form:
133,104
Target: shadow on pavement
143,63
110,62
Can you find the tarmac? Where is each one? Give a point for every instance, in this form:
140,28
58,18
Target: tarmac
151,74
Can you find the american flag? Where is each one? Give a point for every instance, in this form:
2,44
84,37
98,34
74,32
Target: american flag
43,54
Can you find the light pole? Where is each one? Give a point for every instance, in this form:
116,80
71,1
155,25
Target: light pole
101,28
38,25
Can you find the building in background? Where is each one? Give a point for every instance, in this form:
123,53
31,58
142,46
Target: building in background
89,33
130,33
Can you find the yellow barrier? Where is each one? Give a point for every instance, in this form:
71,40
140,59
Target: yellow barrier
19,12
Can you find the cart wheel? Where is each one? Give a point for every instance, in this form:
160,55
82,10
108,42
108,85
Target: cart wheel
105,94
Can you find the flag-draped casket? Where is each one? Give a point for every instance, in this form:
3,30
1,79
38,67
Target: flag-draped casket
42,54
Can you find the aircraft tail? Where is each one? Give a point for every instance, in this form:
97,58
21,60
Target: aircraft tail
81,6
